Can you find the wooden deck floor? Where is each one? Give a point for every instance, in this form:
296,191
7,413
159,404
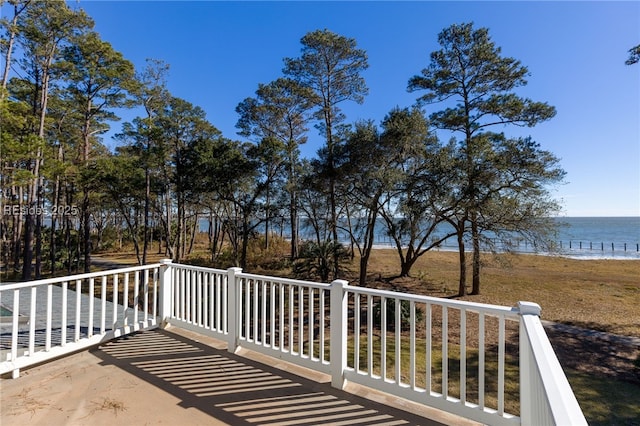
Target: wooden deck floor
173,377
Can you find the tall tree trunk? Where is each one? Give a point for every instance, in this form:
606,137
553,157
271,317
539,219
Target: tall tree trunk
5,247
216,236
266,222
462,283
147,199
12,36
54,220
332,186
38,230
27,255
79,251
86,215
475,237
39,196
30,222
179,230
194,231
169,250
334,221
67,243
293,216
293,207
18,225
245,242
212,236
7,57
366,251
86,230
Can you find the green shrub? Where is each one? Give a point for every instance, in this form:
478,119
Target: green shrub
317,260
405,313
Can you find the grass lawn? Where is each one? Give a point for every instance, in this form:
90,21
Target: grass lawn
606,401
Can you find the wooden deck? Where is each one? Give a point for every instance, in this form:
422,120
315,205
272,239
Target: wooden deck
174,377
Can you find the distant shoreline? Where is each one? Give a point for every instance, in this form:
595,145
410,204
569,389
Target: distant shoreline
629,256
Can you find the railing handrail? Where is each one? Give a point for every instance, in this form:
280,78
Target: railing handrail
195,268
78,313
542,366
509,312
283,280
69,278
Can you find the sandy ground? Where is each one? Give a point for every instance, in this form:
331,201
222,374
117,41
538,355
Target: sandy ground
82,389
164,378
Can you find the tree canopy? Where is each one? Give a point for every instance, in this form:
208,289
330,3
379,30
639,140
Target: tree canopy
478,88
172,173
634,55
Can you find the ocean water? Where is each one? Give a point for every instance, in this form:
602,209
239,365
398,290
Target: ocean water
600,237
578,237
604,229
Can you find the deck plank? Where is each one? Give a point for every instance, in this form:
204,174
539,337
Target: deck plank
175,377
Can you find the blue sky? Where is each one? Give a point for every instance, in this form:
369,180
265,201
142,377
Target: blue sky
575,51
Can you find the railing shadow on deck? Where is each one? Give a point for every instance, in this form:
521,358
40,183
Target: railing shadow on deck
238,390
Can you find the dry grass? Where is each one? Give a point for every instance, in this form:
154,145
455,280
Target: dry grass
597,294
108,404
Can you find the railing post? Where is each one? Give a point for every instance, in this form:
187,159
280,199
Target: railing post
526,393
233,309
166,287
338,334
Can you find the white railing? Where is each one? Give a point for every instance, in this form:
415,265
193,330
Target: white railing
288,319
447,354
53,317
276,316
488,363
195,298
547,398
